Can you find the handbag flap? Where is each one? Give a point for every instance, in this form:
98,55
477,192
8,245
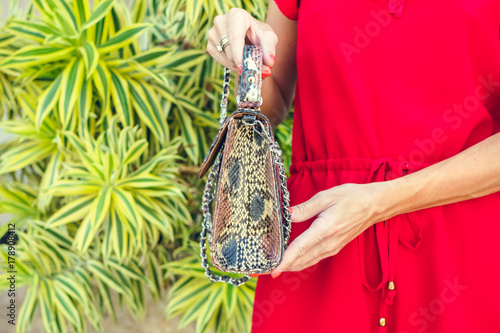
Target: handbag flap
220,138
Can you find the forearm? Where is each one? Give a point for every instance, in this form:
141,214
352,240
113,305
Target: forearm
472,173
273,105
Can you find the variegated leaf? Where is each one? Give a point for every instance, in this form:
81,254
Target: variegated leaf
124,37
90,57
48,100
73,211
99,12
25,154
121,97
71,85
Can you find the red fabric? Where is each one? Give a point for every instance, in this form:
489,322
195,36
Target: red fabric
386,88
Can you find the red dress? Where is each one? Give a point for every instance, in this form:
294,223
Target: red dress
384,89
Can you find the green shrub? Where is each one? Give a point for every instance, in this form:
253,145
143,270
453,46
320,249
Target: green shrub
111,110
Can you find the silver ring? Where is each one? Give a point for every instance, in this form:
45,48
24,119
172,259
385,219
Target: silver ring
224,41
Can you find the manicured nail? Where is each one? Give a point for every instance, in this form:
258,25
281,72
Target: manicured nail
240,68
276,274
266,73
272,57
254,275
291,210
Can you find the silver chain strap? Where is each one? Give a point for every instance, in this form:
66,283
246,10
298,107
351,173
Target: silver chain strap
225,95
287,225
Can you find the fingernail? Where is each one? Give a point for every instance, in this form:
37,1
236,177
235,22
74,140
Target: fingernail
266,73
291,210
272,58
276,274
240,67
254,275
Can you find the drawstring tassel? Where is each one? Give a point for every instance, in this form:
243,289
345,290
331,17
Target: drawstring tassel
382,322
389,300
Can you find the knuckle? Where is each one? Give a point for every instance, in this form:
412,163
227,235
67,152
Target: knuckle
325,230
232,37
328,232
325,235
324,197
333,231
273,37
211,33
301,249
235,10
335,248
319,196
331,247
217,19
300,208
210,48
323,247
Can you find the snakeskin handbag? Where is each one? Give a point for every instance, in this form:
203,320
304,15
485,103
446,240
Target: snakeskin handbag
249,227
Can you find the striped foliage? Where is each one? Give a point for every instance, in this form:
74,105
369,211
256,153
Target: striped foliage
216,307
110,106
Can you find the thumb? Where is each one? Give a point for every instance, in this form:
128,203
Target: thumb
310,208
268,41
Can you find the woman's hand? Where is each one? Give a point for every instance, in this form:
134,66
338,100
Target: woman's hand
343,212
241,27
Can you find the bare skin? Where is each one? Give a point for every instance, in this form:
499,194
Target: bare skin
343,212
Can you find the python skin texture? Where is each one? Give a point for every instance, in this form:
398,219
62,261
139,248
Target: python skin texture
247,235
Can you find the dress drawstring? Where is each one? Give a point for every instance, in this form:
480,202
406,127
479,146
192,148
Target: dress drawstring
396,7
385,236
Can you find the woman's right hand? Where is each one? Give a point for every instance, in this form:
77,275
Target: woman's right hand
241,28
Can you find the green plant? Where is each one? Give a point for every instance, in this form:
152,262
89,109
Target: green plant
219,307
112,108
91,175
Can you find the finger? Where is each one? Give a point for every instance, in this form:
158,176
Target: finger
301,246
310,208
316,260
259,274
265,40
238,23
268,41
331,245
220,26
311,257
221,58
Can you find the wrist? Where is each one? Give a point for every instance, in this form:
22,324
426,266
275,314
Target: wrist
382,200
399,196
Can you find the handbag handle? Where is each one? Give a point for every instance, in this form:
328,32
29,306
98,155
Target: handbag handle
249,82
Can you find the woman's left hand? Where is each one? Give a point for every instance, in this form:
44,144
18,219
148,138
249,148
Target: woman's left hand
343,212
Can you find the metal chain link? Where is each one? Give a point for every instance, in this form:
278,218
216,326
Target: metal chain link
225,95
287,225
